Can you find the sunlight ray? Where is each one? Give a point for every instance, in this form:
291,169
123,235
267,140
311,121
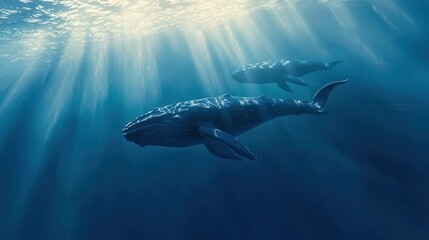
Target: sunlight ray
343,16
393,15
57,98
19,89
139,72
95,85
52,105
203,61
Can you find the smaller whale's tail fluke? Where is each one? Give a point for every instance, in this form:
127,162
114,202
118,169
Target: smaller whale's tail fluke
320,98
332,64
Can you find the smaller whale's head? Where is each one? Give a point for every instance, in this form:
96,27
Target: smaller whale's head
149,129
238,76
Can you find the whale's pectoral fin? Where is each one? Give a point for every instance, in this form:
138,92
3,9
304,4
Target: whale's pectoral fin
332,64
283,85
209,131
295,80
221,150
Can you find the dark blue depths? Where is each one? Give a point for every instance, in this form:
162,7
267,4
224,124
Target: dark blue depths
358,172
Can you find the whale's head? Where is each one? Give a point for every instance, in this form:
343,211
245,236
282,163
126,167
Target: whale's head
238,75
149,129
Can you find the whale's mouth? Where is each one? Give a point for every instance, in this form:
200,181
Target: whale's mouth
131,134
131,127
237,76
133,131
234,74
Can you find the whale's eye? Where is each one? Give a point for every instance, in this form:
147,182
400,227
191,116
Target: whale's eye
176,117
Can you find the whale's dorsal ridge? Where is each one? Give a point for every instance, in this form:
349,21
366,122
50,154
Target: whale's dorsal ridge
226,95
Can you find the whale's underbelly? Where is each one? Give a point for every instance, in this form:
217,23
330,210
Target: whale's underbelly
260,76
188,134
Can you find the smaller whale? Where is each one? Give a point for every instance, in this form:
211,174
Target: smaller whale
280,72
215,122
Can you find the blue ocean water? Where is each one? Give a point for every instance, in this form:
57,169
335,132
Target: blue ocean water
74,72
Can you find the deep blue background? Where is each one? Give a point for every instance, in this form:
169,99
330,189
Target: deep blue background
359,172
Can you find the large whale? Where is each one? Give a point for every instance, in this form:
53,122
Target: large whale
280,72
215,122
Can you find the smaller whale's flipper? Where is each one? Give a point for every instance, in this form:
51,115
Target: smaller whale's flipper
283,85
320,98
295,80
219,149
332,64
208,130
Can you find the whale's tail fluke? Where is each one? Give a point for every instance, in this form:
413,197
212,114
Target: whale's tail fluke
320,98
332,64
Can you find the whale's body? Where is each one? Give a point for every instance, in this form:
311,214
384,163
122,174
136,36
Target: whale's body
280,72
216,121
